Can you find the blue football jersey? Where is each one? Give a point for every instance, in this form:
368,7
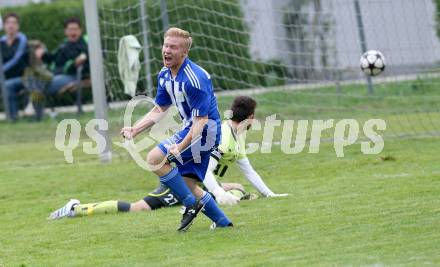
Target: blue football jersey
191,91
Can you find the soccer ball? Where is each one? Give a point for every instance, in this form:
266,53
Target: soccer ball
372,62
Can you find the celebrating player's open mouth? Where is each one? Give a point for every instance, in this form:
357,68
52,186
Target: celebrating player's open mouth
167,60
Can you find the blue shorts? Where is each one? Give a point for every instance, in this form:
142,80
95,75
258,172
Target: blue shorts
194,159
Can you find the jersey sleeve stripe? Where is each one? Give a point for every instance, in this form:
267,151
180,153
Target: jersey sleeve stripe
194,75
195,112
190,75
190,78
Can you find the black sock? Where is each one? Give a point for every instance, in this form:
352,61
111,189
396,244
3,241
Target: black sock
123,206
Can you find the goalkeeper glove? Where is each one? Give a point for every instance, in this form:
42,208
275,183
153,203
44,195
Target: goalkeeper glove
225,198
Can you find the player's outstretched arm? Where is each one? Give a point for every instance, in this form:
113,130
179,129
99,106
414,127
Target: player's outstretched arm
222,197
155,115
254,178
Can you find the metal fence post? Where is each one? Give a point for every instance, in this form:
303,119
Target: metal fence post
164,15
97,71
362,39
145,48
2,82
4,92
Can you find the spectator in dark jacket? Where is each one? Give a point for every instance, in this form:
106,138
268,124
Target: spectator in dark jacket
69,55
15,59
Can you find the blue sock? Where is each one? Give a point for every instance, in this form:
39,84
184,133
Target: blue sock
175,182
213,211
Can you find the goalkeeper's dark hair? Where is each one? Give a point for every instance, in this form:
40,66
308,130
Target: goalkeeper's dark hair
71,20
242,108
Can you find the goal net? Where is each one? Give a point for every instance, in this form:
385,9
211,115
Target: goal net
301,57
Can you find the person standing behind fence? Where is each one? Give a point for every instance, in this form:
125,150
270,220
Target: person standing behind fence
15,56
70,54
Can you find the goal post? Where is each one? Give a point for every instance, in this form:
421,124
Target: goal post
2,80
97,72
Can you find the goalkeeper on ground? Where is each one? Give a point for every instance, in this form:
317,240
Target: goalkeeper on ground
231,149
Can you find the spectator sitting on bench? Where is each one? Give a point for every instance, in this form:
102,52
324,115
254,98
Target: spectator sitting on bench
70,54
14,52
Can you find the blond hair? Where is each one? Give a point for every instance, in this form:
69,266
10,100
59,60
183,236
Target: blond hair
177,32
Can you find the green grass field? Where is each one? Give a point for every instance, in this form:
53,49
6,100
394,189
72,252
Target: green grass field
360,210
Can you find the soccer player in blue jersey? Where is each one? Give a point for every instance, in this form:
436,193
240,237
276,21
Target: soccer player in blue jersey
188,86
